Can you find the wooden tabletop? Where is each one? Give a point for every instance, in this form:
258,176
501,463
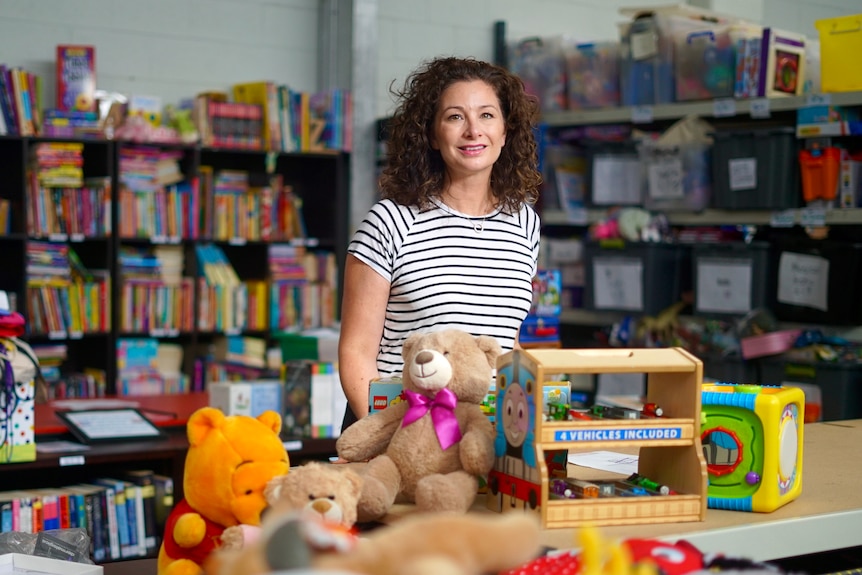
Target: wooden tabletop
826,516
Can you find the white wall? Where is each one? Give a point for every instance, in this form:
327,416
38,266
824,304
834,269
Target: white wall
799,15
167,48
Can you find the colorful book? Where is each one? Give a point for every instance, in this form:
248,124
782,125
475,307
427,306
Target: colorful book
76,77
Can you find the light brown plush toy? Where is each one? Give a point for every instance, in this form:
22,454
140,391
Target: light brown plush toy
325,492
431,448
420,544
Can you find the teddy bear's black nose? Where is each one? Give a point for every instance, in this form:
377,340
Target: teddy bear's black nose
423,357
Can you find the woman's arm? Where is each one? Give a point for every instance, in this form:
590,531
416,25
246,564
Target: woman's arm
363,310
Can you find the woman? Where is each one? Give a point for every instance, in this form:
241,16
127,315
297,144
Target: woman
454,241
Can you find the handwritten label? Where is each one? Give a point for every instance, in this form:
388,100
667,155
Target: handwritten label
618,283
818,100
76,238
71,460
760,108
724,107
743,174
57,237
643,45
293,445
803,280
665,178
627,434
237,241
642,115
723,285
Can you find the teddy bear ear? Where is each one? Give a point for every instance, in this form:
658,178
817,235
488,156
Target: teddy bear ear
202,422
271,419
272,491
491,347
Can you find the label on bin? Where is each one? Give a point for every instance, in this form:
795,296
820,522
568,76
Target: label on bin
618,283
743,173
724,285
803,280
665,178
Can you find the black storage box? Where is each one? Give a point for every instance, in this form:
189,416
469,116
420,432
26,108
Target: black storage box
756,169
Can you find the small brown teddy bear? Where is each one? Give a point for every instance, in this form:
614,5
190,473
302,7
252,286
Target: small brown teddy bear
328,491
431,448
325,492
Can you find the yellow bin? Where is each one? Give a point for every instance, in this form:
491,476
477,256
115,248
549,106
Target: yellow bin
840,47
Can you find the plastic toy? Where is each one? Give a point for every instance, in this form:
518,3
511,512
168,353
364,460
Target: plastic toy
752,443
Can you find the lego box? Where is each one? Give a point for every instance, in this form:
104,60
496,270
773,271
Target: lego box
384,392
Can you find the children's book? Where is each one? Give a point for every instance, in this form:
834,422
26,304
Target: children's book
76,78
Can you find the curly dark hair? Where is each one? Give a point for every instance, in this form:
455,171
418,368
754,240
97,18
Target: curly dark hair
415,171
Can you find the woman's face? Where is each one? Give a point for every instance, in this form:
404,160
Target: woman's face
469,128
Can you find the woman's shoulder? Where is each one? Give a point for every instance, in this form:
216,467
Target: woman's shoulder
390,208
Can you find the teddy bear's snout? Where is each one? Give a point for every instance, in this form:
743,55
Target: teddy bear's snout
321,505
430,370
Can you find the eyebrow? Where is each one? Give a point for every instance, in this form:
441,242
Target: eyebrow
461,108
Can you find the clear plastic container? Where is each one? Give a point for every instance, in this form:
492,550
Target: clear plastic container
704,59
676,178
593,75
646,61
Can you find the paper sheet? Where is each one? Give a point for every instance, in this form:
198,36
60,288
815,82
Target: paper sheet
621,463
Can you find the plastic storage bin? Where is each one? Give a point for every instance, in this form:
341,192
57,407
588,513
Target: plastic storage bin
646,61
613,175
817,281
704,59
840,384
676,178
593,75
840,46
642,278
756,169
731,279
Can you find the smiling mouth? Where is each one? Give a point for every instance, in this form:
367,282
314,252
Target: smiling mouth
473,148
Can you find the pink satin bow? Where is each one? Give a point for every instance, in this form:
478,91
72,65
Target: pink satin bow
442,408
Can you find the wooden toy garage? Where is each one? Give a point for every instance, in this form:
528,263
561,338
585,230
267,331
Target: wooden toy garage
531,449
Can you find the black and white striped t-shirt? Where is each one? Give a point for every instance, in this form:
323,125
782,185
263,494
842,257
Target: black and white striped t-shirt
449,270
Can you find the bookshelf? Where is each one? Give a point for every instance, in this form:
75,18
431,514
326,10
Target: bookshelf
142,212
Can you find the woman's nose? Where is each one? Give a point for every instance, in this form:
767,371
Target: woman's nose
472,129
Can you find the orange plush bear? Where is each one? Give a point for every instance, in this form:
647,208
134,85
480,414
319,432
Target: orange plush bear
229,463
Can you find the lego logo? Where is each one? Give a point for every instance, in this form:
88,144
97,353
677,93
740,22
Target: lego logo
380,402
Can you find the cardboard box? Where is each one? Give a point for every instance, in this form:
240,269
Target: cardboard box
20,563
384,392
246,397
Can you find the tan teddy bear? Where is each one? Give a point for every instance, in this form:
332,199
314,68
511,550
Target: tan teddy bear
431,448
325,492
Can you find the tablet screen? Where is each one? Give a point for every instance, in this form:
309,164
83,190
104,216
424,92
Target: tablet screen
102,425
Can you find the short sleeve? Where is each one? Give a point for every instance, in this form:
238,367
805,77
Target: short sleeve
373,242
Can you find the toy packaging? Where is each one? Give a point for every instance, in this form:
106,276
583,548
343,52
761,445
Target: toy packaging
752,442
76,78
704,59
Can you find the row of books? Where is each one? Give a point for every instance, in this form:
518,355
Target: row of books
233,208
314,402
166,214
83,211
20,102
124,517
63,296
59,164
265,115
157,308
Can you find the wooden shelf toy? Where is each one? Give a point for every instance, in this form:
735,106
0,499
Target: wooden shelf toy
532,449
